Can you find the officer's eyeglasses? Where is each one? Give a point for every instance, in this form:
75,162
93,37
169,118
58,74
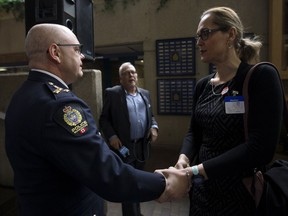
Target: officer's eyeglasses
77,47
205,33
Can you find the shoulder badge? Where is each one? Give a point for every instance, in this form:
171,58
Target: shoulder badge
56,89
72,118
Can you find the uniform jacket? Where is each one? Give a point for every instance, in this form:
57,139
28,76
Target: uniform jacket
114,119
59,159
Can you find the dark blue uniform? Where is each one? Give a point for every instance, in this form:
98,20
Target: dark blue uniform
59,158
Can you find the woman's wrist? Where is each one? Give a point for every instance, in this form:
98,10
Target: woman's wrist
202,171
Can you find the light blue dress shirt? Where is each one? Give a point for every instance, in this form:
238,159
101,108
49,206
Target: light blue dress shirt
137,115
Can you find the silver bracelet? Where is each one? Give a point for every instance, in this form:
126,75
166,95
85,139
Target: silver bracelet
188,177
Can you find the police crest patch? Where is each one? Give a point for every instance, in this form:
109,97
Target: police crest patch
72,118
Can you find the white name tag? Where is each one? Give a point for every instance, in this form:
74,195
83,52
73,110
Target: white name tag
234,105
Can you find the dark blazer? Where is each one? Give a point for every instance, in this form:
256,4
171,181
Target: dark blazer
59,159
114,119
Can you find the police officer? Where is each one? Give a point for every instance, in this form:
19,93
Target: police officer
59,159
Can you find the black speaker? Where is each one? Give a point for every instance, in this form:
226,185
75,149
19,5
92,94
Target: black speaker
53,11
77,15
85,27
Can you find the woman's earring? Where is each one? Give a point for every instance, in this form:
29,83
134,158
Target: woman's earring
229,45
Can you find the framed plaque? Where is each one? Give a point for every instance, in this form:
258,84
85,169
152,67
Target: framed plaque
175,57
175,96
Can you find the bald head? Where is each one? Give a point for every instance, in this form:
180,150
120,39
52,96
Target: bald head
41,36
54,48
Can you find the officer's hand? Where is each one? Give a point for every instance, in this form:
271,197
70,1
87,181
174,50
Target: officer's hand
178,184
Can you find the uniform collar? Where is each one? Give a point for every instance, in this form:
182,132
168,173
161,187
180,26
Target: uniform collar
52,75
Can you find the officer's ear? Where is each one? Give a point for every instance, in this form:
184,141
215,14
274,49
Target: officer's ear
54,52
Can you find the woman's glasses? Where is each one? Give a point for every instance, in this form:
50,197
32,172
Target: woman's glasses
205,33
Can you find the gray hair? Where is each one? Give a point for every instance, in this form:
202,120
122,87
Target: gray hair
124,66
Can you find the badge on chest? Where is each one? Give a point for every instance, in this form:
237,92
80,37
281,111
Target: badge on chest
234,105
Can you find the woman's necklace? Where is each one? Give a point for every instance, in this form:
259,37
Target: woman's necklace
223,91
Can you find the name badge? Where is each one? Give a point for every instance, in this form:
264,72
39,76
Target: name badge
234,105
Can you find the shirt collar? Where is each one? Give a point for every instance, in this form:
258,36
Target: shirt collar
136,93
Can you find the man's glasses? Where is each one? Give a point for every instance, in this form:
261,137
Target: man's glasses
127,73
205,33
78,47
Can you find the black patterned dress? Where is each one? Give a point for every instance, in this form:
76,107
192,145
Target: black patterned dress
220,132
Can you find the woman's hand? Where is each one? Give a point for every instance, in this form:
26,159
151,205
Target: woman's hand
183,162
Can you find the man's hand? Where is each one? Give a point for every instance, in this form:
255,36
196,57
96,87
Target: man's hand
178,183
115,143
153,134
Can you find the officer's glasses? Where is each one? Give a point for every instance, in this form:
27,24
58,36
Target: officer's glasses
77,47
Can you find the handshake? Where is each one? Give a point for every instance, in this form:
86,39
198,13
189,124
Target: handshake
178,180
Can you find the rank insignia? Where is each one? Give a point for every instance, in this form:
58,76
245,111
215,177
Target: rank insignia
57,89
72,118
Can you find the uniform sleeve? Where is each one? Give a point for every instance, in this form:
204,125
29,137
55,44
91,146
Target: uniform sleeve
76,147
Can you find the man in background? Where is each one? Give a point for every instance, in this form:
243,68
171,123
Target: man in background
127,121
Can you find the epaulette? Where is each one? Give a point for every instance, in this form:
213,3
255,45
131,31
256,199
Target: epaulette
56,89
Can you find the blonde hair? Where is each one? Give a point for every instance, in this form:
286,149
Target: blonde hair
248,48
